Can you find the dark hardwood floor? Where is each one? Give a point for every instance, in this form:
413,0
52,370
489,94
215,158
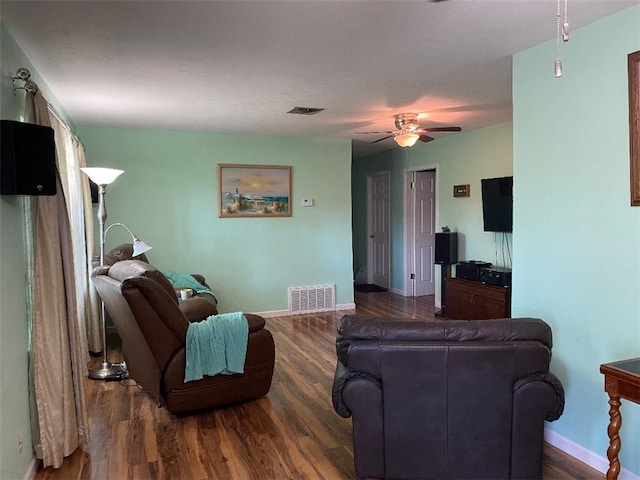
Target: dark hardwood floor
292,433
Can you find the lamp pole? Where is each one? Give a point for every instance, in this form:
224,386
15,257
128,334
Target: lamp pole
103,177
106,370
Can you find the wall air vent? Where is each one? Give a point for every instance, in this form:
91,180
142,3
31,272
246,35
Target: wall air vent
312,299
305,110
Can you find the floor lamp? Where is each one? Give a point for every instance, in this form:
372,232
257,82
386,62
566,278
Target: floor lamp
103,177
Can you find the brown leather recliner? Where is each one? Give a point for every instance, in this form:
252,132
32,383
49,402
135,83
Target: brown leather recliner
153,326
446,399
125,252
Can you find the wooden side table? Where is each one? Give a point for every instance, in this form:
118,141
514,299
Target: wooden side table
621,380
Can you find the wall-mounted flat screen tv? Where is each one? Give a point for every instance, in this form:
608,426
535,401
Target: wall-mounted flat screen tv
497,204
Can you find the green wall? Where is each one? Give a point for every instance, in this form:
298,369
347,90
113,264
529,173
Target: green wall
463,158
168,197
577,240
14,396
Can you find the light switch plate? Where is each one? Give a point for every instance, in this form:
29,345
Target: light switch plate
307,202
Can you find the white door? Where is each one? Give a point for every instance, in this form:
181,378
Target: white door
419,231
378,228
424,232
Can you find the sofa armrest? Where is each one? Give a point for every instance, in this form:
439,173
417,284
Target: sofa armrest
207,295
536,397
197,309
342,376
256,322
552,381
359,394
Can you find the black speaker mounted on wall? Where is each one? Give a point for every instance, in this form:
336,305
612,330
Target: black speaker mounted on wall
446,248
27,159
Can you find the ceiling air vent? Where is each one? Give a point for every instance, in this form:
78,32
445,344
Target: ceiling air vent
305,110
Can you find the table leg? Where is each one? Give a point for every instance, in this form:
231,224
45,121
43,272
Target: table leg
615,422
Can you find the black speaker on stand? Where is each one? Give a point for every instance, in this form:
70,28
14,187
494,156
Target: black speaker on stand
446,254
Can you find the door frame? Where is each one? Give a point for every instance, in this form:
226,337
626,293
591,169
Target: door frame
370,176
408,212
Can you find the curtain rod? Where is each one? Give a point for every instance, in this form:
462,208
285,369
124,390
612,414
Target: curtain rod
23,74
63,123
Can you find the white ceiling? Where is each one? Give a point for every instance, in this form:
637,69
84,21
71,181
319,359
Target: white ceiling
238,66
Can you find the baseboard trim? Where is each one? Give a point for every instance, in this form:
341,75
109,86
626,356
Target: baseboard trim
284,313
346,306
32,469
595,461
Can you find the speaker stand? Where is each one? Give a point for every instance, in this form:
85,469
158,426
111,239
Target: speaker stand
445,272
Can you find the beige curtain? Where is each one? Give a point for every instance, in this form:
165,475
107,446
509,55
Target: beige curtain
93,319
75,186
60,303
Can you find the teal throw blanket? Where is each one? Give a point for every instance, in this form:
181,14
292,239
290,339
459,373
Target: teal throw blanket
217,345
184,280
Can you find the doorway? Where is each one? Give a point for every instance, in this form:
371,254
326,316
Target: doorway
379,228
420,224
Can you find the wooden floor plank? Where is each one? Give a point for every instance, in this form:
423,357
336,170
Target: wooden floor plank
292,433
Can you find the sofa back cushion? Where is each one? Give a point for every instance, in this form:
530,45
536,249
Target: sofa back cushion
451,380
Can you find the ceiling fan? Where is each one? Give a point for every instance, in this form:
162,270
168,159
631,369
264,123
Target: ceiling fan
409,130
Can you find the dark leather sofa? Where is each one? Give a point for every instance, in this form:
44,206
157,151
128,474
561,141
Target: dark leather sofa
153,326
446,399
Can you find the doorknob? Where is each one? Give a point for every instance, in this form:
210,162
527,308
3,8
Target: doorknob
370,236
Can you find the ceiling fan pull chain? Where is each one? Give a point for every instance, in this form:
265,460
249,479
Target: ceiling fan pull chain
565,25
557,66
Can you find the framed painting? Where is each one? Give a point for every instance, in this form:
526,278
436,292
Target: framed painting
634,125
254,191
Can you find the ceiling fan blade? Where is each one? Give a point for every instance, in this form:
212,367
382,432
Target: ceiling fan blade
426,138
443,129
369,133
381,139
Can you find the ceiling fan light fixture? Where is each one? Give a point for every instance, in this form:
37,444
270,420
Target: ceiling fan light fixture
406,139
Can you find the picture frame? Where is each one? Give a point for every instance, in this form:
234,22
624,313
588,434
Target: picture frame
254,191
462,190
634,125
